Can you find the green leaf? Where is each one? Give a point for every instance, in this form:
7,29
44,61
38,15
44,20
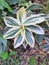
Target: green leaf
12,53
4,55
34,6
3,40
3,43
4,4
0,47
1,36
47,7
32,61
1,7
39,38
17,62
13,2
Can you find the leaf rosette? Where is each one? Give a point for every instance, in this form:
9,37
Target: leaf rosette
21,28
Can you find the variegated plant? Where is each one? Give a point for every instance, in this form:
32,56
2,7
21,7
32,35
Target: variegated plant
21,28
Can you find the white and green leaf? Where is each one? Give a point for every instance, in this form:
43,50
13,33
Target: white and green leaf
11,22
21,15
11,33
18,40
36,15
33,20
36,29
29,38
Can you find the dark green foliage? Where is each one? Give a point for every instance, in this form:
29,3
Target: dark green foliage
3,43
13,2
32,61
47,7
4,4
39,38
12,53
35,6
4,55
10,61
